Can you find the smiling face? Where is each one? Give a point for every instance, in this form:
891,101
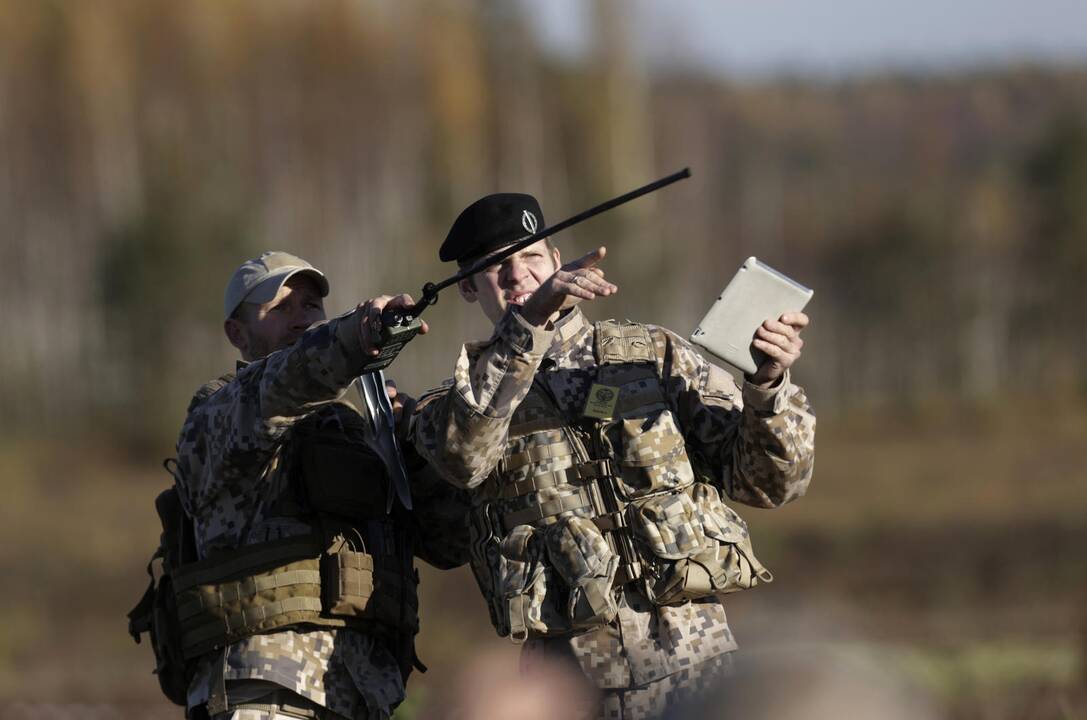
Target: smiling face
512,281
259,330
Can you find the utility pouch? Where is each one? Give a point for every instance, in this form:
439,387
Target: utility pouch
523,584
583,560
156,612
668,525
347,578
725,563
653,457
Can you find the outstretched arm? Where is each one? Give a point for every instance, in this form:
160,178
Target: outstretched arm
230,435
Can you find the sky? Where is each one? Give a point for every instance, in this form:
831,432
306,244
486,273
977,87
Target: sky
759,37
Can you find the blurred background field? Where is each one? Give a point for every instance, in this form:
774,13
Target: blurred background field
937,204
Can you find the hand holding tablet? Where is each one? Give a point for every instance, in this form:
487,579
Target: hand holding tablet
756,294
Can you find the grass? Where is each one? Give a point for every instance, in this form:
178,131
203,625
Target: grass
950,543
988,667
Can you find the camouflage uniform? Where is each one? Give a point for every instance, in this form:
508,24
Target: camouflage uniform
232,477
759,444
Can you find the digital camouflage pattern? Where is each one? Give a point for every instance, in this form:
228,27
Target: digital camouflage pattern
344,671
232,475
758,444
652,700
647,701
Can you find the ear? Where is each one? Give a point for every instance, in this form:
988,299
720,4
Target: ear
556,256
237,334
467,288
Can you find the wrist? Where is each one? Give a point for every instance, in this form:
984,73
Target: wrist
762,382
532,316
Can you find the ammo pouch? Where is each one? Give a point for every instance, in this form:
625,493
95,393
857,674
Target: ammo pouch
523,583
653,457
555,579
696,546
290,582
156,612
581,557
690,543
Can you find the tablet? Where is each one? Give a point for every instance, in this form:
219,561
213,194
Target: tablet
756,293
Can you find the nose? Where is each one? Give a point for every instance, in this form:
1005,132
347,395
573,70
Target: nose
514,269
302,318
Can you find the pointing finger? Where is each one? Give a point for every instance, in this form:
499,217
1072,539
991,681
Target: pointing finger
589,259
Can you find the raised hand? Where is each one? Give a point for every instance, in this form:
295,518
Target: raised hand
369,314
570,284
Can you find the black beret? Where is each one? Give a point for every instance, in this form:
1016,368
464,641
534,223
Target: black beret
490,223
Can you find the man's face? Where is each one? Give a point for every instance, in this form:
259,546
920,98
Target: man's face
262,329
512,281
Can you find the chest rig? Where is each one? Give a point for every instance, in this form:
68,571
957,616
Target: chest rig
581,506
354,569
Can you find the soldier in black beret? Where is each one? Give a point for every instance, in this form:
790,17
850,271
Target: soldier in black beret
597,456
497,221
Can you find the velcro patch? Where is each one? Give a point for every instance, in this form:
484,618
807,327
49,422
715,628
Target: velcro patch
601,402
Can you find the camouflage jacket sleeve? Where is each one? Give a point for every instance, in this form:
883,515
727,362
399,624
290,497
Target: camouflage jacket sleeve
759,444
230,436
461,428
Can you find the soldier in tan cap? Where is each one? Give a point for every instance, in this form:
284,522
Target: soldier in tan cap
302,601
597,455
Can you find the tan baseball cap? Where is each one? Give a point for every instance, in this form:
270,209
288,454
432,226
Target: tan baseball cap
258,280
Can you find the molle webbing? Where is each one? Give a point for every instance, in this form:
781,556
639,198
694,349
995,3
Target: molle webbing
251,558
617,343
537,453
627,360
566,476
538,512
626,356
273,585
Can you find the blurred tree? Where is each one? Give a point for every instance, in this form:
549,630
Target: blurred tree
892,284
939,217
161,279
985,264
1056,178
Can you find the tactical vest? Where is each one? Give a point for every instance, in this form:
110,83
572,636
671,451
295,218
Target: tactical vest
579,507
354,570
